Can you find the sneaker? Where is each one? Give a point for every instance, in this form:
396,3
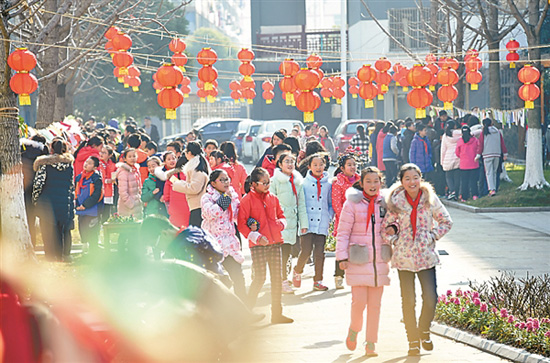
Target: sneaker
287,288
296,279
369,350
351,340
318,286
414,348
281,319
492,193
475,197
427,343
339,282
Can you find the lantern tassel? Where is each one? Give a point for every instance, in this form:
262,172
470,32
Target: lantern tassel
157,91
385,88
512,64
447,105
186,95
369,103
338,101
432,88
420,113
182,68
309,117
249,101
381,96
405,89
247,78
135,89
236,101
268,102
203,99
121,80
354,95
126,85
170,114
474,87
207,86
24,99
529,104
326,99
211,99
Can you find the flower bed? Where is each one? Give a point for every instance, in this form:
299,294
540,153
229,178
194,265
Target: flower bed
479,313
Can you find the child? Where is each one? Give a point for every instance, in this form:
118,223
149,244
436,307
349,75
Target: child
176,203
239,172
270,161
129,185
491,147
196,172
107,168
420,152
318,197
134,141
413,209
220,206
346,176
89,194
217,160
286,185
209,146
265,242
359,250
151,193
466,150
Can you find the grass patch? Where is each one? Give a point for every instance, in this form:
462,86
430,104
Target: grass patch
509,195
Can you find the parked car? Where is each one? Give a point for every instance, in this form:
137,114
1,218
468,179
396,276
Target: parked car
238,136
168,139
263,139
252,132
219,130
345,131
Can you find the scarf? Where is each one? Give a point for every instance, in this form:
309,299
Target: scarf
85,176
370,211
414,205
318,185
293,185
425,145
322,140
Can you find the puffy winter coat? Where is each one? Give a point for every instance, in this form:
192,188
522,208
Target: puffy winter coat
449,160
390,150
266,210
492,145
221,224
340,185
239,177
176,202
294,208
353,230
82,156
419,155
129,189
30,150
107,170
408,136
415,254
269,164
467,152
89,194
142,158
194,185
380,150
53,187
154,205
319,210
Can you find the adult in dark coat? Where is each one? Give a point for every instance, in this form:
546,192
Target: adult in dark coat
30,150
408,135
151,130
53,194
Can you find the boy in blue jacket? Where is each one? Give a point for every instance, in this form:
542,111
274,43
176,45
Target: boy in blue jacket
89,201
420,152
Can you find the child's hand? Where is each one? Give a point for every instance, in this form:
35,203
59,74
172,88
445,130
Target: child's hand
162,199
390,230
156,191
264,241
343,264
173,179
80,207
108,181
304,230
254,227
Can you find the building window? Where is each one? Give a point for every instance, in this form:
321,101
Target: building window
408,26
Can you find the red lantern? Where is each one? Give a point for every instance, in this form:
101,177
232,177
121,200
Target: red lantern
177,45
22,60
245,55
382,64
235,95
185,81
121,41
471,53
268,86
474,78
133,82
431,58
447,94
366,74
338,82
169,75
268,96
353,81
207,57
419,76
170,99
353,91
327,82
234,86
247,70
314,61
207,75
180,60
307,102
186,90
111,32
447,76
529,92
368,91
449,63
202,94
247,84
249,94
513,56
326,93
289,67
134,71
122,60
403,82
24,84
306,80
420,98
434,69
338,93
473,64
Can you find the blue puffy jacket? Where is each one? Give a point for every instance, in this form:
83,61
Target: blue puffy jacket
421,153
319,210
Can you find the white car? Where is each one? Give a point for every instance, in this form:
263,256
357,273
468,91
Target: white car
247,141
263,139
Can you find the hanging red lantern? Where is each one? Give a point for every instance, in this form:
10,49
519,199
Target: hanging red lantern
368,91
122,60
234,86
289,67
247,70
180,60
314,61
366,74
207,57
473,64
207,75
22,60
235,95
245,55
121,41
186,90
308,102
24,84
353,91
474,78
403,82
419,76
247,84
382,64
383,79
306,80
420,98
170,99
326,93
202,94
268,96
133,82
177,45
169,76
268,86
431,58
434,69
449,62
353,81
447,76
249,94
134,71
512,56
111,32
337,92
529,92
447,94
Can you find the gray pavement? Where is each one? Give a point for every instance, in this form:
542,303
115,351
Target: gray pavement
478,247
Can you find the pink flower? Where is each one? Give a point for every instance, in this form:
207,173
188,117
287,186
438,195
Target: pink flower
462,310
459,292
477,302
517,325
449,292
494,310
547,334
457,301
503,313
511,319
483,307
536,324
522,325
475,294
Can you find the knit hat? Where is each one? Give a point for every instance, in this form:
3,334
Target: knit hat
113,123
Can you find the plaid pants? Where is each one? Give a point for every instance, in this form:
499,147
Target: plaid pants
270,255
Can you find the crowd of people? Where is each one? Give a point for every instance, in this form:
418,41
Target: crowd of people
283,208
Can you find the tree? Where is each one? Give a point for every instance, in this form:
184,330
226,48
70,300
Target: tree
532,24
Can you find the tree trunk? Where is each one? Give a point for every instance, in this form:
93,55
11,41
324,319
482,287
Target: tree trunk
459,102
16,239
493,40
60,103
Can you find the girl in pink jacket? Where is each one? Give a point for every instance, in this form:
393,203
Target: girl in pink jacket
129,185
361,253
219,208
466,150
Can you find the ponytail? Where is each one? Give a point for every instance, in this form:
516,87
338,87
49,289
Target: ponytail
59,147
486,124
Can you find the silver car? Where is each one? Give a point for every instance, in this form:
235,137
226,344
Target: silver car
263,139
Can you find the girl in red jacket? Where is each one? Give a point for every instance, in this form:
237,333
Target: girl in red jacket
176,203
346,175
261,220
239,171
107,168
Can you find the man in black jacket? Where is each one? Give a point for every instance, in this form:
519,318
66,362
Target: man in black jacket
408,135
151,129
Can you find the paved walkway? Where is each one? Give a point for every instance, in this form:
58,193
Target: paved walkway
479,246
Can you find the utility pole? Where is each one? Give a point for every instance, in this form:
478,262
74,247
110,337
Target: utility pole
344,56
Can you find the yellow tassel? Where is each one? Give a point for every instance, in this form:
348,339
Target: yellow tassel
369,103
135,89
420,113
432,88
203,99
182,68
397,84
326,99
121,80
474,87
268,102
126,85
170,114
186,95
208,86
211,99
247,78
123,71
236,101
405,89
354,95
529,104
385,88
338,101
249,101
24,99
380,97
448,105
309,117
158,91
512,64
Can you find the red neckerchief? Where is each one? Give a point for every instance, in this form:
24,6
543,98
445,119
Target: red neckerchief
318,185
84,176
425,145
370,211
322,140
293,185
414,205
